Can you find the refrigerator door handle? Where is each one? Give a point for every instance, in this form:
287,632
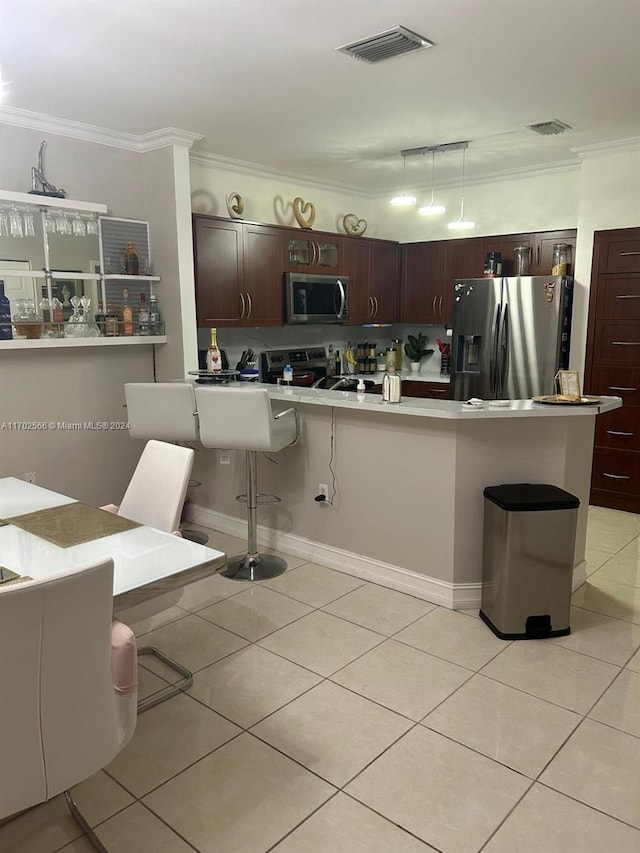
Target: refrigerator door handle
503,345
493,360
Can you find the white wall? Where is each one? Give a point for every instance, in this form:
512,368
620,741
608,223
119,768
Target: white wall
540,202
269,199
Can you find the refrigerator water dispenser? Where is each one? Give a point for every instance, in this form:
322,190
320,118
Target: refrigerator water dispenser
469,353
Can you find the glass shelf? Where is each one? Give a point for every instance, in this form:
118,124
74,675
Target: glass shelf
124,277
63,343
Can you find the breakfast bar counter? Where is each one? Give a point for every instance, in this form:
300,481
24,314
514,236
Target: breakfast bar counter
405,482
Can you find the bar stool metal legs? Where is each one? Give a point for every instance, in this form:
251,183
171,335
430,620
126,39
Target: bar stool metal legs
253,566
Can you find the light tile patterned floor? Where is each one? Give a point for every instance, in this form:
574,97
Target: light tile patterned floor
331,715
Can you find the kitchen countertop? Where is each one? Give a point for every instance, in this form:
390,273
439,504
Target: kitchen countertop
426,408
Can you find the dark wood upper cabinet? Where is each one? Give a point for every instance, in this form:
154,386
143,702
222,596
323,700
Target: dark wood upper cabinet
373,270
263,281
540,244
463,259
238,271
311,251
542,255
385,281
422,282
218,256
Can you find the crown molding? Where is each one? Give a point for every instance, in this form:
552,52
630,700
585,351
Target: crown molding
139,143
603,149
244,167
558,167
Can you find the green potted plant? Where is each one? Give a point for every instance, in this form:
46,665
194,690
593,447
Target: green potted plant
415,350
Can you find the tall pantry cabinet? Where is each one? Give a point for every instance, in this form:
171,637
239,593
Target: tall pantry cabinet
613,366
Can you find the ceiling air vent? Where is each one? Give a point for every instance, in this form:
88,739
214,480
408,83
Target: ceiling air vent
548,128
386,45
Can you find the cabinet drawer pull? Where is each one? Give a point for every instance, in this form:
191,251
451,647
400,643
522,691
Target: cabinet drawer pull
625,343
629,296
616,476
250,305
242,308
433,307
375,302
620,388
626,254
439,391
619,432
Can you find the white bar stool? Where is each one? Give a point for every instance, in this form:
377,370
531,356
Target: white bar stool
241,419
165,411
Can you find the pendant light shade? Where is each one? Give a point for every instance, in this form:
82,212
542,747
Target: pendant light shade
462,224
404,200
432,209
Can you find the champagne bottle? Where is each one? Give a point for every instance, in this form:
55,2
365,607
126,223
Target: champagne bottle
214,358
127,314
143,316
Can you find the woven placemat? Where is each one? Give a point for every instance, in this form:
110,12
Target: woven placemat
72,524
21,579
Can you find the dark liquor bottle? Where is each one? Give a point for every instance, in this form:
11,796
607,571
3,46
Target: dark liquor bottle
6,333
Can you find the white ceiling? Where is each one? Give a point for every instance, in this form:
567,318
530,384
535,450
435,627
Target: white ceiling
262,82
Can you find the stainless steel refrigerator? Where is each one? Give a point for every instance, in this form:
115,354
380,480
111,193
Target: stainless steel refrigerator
510,336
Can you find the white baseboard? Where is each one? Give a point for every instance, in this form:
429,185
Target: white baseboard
464,596
460,596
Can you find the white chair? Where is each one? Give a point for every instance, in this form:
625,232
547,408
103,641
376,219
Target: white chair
241,419
155,496
63,716
164,411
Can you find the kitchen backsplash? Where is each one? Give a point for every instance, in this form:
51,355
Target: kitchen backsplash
235,340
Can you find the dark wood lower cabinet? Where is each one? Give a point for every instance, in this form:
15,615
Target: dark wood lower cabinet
426,390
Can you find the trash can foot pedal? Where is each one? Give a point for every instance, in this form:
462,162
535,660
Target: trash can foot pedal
536,628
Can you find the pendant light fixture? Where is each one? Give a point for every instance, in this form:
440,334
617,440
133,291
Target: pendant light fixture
404,200
432,209
462,224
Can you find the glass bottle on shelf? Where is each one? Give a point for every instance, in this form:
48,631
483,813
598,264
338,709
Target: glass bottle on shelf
6,333
111,322
155,323
214,359
131,260
127,314
143,316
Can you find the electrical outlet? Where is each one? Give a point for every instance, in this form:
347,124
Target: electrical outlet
30,476
224,457
323,489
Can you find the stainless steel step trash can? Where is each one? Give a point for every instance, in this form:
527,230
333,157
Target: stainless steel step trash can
527,560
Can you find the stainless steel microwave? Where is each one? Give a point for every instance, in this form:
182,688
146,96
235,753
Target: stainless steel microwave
316,298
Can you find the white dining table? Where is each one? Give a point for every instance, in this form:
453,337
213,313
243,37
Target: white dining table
147,562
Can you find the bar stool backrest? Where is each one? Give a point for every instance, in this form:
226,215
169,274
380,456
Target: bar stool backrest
162,410
241,419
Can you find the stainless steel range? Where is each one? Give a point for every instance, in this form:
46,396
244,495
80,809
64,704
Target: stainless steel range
309,364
